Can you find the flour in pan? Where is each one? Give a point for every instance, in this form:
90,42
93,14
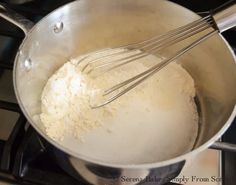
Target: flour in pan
157,116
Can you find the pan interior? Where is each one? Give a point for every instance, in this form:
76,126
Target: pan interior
92,25
155,121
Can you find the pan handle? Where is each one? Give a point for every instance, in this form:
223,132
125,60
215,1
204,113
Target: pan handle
225,16
228,147
24,24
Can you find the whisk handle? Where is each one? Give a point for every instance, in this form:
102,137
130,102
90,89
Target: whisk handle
225,16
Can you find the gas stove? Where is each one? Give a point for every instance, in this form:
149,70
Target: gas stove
25,158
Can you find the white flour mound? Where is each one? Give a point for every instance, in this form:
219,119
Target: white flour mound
155,121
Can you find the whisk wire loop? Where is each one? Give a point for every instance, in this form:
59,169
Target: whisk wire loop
101,60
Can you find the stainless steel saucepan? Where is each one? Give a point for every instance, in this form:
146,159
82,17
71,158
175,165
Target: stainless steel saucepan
86,25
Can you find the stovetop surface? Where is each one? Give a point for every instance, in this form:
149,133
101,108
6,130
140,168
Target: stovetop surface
24,159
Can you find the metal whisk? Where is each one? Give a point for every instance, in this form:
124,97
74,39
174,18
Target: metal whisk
220,22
